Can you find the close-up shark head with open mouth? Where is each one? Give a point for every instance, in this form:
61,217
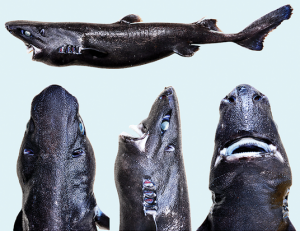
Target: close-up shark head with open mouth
149,171
55,44
247,131
250,176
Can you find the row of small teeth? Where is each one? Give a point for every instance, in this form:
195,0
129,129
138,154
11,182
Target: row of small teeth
32,48
69,49
226,153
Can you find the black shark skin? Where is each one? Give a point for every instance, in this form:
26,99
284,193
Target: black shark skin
149,171
250,176
128,42
56,168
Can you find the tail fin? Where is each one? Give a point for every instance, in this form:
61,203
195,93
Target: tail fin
259,29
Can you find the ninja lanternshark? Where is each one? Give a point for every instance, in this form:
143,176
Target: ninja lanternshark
129,42
56,168
250,175
149,171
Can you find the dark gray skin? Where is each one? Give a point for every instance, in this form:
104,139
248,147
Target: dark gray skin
249,193
130,43
159,162
56,168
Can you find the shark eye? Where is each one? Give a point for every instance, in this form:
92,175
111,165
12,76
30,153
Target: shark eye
81,126
77,153
165,124
42,32
26,32
28,152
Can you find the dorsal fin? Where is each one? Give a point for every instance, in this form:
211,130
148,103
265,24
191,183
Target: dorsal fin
131,18
208,23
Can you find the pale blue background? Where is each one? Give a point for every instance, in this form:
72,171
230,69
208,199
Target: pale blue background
111,100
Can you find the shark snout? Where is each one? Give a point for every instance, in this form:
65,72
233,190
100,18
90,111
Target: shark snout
168,91
244,92
8,27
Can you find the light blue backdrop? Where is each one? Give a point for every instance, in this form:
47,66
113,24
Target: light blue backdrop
111,100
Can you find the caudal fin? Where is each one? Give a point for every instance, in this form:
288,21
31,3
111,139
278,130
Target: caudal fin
259,29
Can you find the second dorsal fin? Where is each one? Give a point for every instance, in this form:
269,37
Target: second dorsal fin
131,18
208,23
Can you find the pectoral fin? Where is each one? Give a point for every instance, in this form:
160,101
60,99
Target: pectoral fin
131,18
18,222
102,221
186,50
96,53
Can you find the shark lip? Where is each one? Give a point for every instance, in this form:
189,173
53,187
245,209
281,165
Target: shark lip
31,48
139,141
249,148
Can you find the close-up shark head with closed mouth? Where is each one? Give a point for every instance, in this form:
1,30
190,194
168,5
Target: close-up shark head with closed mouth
250,176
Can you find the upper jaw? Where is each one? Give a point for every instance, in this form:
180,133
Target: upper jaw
248,147
140,141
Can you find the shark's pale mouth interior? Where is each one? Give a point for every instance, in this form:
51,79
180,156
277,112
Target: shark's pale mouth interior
248,148
32,49
140,141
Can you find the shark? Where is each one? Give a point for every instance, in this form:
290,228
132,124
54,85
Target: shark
56,168
250,176
129,42
149,171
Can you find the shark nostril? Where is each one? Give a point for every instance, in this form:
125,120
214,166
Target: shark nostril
231,99
257,98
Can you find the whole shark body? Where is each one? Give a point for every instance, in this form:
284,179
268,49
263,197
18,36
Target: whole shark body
250,176
149,171
129,42
56,168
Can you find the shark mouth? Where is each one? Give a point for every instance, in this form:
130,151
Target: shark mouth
248,148
33,49
139,141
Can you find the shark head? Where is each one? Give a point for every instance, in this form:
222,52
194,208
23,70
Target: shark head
51,43
149,170
56,165
249,166
162,124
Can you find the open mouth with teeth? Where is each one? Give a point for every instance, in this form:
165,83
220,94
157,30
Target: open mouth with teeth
33,49
141,140
247,148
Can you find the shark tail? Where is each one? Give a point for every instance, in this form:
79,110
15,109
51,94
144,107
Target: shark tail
260,28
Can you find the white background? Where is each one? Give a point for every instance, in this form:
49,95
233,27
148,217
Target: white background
111,100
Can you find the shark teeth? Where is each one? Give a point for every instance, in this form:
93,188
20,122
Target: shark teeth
248,148
33,49
139,141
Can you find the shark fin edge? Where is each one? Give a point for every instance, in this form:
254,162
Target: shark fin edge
18,222
257,31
